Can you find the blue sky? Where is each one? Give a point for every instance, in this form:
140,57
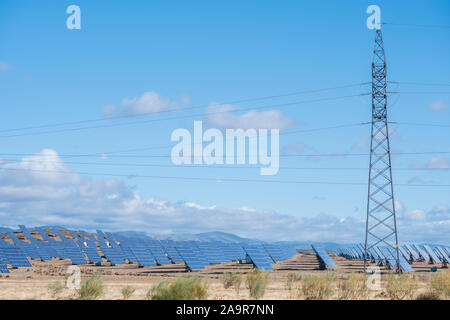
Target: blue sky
178,54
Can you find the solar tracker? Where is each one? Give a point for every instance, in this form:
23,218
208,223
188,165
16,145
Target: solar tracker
389,258
422,253
191,256
157,251
259,257
275,252
75,254
15,257
212,252
443,254
324,257
404,253
143,256
113,255
91,252
431,254
172,252
3,268
403,263
412,252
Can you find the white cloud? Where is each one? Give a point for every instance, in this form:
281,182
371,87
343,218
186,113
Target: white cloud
438,106
415,215
221,115
149,102
31,195
4,66
436,162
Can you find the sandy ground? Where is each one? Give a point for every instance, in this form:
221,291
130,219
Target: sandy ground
33,283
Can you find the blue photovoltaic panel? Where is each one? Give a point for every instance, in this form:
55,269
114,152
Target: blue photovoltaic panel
157,251
403,263
3,268
422,253
172,252
259,257
432,254
388,256
191,256
443,254
404,253
15,257
324,257
275,252
413,252
113,255
143,256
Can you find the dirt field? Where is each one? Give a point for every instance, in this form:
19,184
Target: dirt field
33,283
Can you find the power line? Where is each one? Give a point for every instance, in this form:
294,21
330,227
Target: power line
216,166
168,156
177,117
420,124
415,25
184,109
421,83
219,179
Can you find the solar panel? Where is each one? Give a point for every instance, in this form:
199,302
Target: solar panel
172,252
113,255
422,253
388,257
15,257
259,257
404,253
3,268
324,257
444,255
191,256
431,254
157,251
412,252
143,256
275,252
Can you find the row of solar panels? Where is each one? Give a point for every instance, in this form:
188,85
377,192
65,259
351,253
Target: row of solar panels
83,248
408,254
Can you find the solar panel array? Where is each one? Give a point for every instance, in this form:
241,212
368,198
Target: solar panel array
259,257
83,248
324,257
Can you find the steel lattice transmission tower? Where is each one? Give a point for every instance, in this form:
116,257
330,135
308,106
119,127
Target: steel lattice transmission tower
381,224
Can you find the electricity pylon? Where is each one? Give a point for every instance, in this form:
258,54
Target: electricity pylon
381,224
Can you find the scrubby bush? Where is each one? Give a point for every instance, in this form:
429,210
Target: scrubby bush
56,288
429,295
354,287
181,288
127,292
257,281
92,288
317,287
400,286
232,279
440,283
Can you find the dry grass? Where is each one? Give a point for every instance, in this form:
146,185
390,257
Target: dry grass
232,279
181,288
317,287
354,287
127,292
440,284
257,281
400,287
92,288
56,288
